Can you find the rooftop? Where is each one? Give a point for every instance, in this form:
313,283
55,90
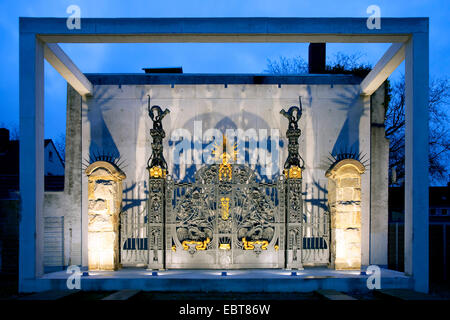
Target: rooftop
210,78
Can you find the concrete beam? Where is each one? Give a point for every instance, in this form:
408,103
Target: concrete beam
67,69
383,69
31,102
223,38
107,30
416,160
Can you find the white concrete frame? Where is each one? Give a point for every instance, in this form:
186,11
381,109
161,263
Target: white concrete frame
64,65
37,41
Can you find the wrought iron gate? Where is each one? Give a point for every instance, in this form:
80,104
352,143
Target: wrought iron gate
135,227
226,219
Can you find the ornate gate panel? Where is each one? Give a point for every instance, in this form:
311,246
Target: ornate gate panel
316,225
224,221
133,227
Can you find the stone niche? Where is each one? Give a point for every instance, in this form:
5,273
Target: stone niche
105,204
344,198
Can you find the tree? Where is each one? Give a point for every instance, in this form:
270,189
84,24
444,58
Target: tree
60,145
296,65
439,93
13,130
341,64
60,141
439,131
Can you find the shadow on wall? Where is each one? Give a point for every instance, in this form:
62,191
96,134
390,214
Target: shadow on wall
251,121
348,137
101,140
132,196
316,194
316,221
133,221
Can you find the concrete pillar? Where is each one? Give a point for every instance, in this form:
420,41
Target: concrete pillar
31,101
86,132
105,204
416,160
156,220
344,198
294,211
72,179
379,180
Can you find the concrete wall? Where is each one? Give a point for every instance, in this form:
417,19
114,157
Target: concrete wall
67,204
115,121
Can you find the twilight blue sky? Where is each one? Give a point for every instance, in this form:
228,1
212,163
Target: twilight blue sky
220,58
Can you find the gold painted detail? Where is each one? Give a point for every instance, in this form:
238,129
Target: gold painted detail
221,153
293,172
174,248
200,245
250,245
276,247
225,171
225,202
224,246
157,172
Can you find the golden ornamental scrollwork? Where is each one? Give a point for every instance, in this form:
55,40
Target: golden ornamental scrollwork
293,172
157,172
221,153
225,171
199,245
225,246
225,203
250,245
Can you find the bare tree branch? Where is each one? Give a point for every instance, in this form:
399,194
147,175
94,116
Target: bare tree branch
439,112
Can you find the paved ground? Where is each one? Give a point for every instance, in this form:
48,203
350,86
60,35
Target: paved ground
8,291
202,296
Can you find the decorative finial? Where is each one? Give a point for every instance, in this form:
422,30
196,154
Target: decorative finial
157,165
294,163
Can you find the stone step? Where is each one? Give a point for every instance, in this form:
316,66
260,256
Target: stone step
333,295
49,295
402,294
122,295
